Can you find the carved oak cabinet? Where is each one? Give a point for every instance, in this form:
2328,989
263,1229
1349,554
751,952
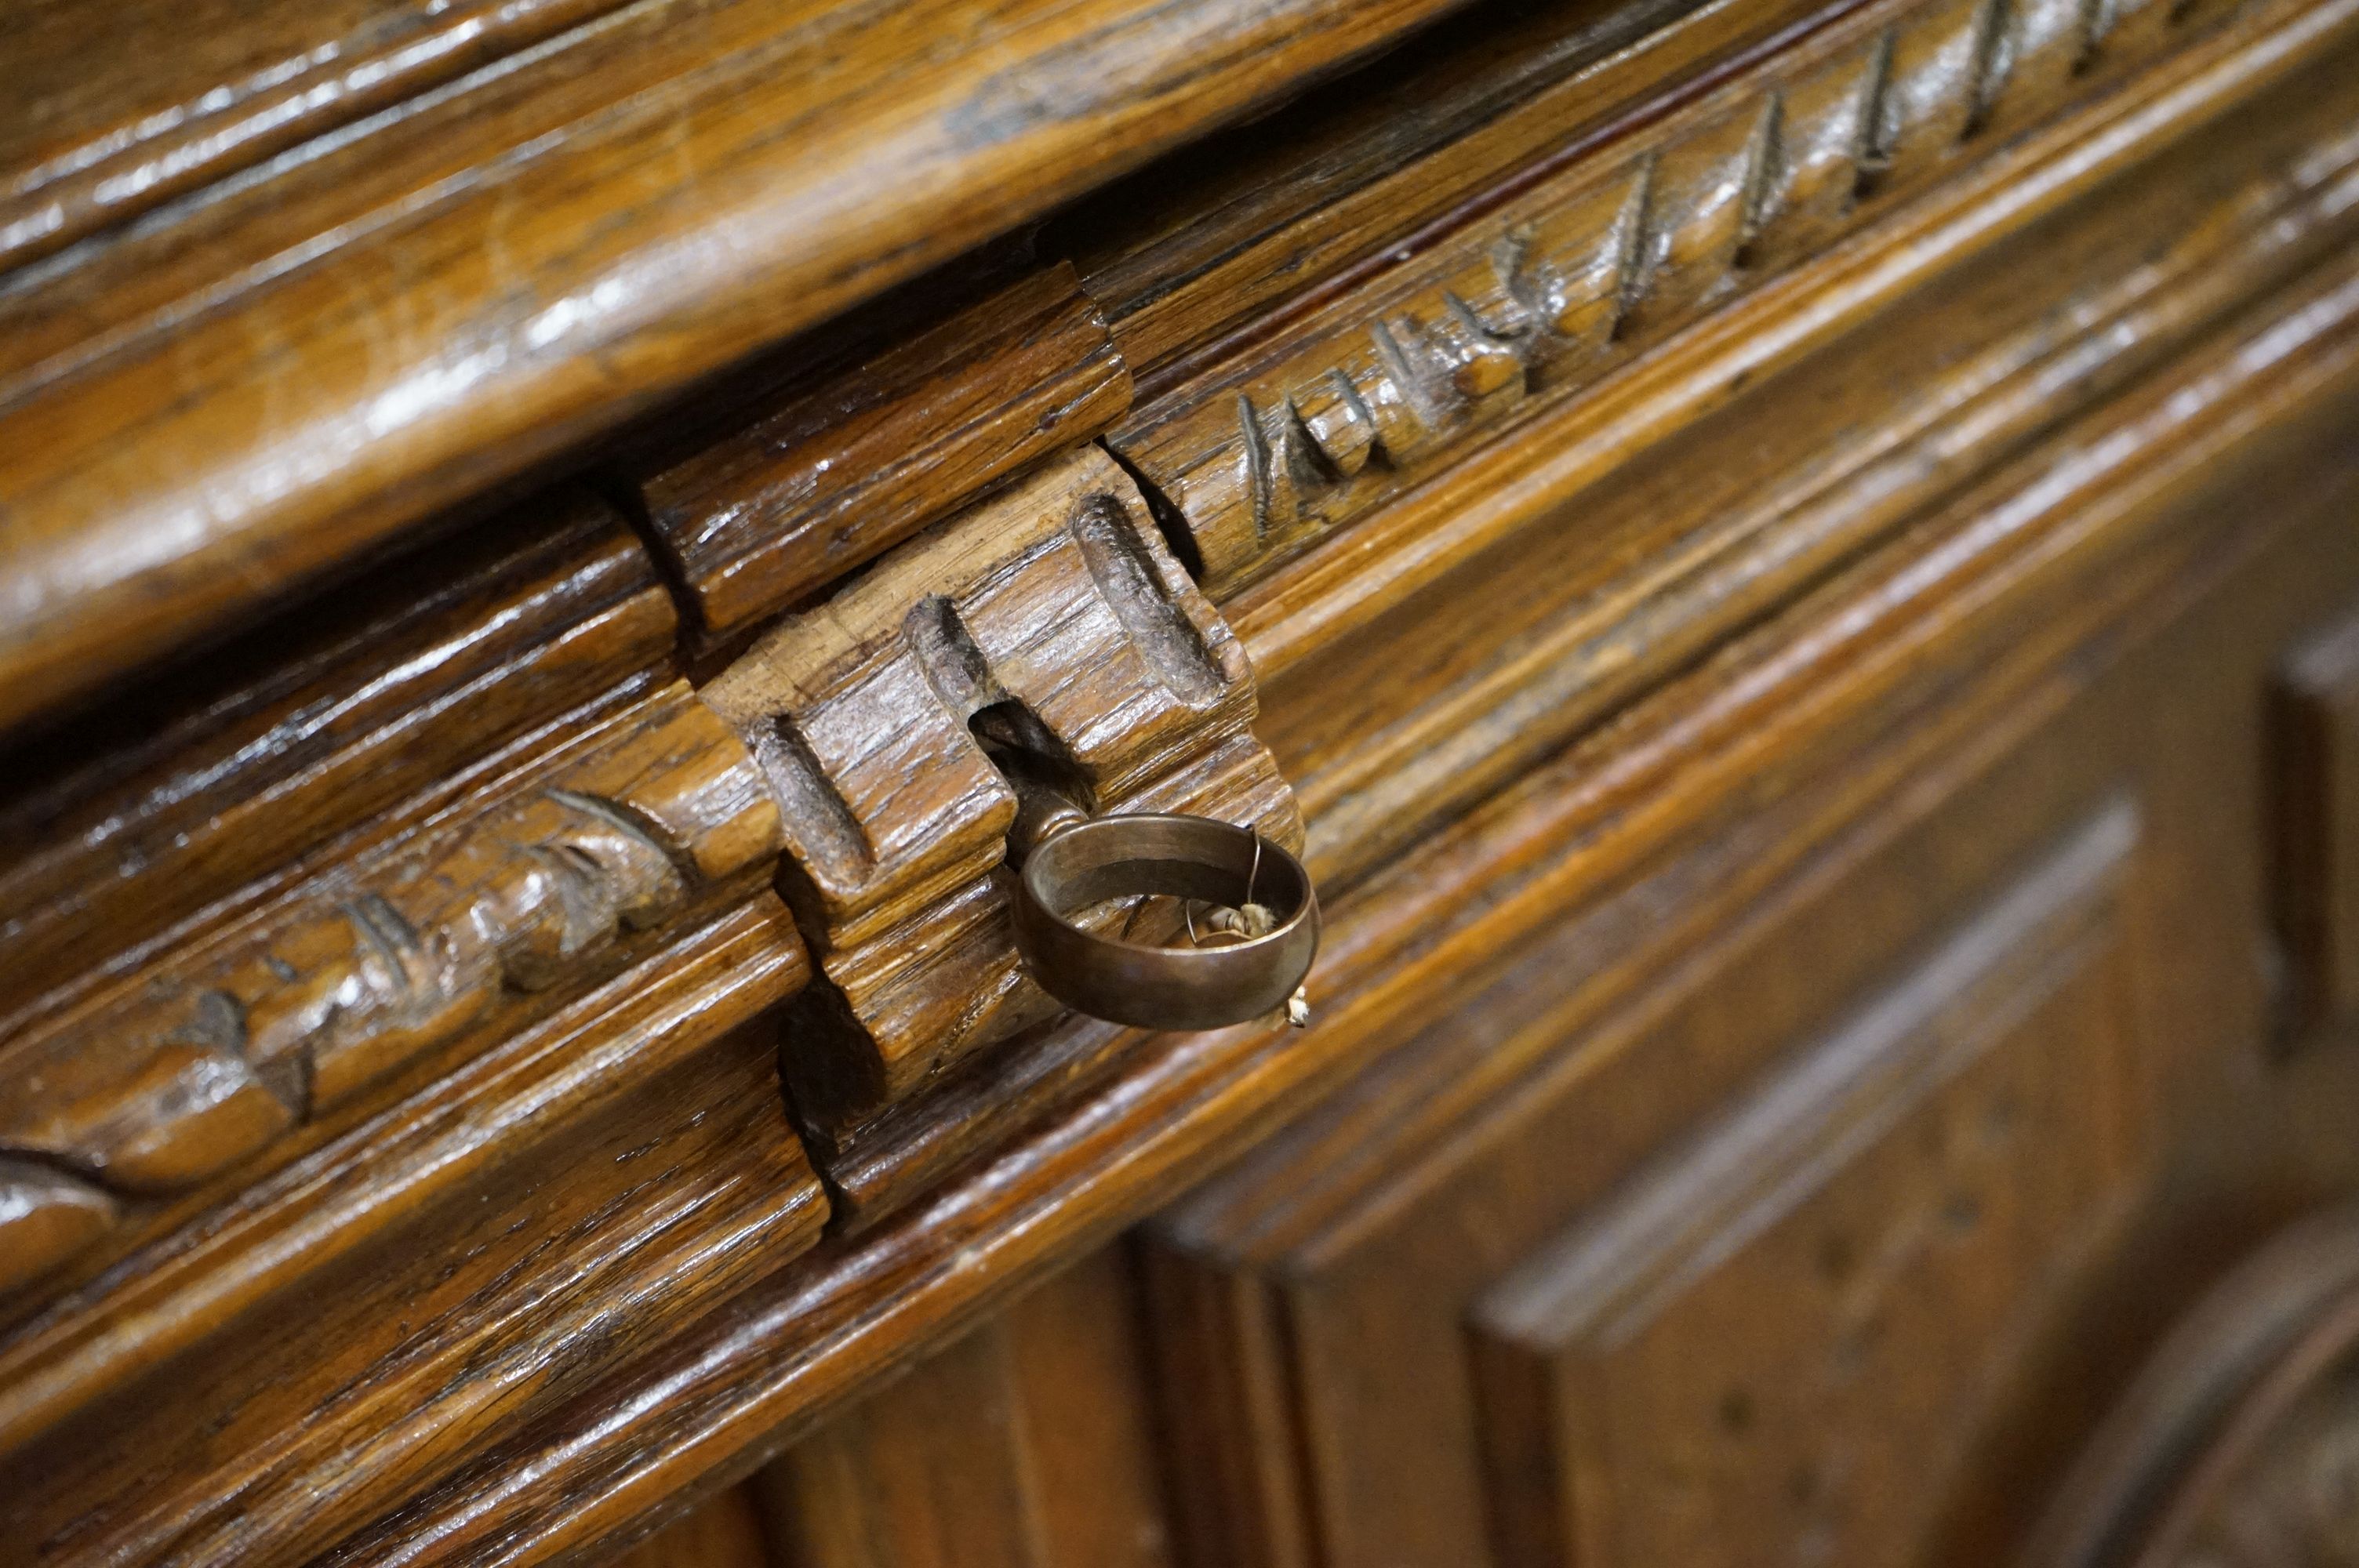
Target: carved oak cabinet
1791,568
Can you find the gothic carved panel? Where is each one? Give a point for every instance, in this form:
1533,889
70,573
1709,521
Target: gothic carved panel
1550,288
1046,639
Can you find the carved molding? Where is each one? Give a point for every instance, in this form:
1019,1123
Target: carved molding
2238,1446
204,1057
1557,285
1047,632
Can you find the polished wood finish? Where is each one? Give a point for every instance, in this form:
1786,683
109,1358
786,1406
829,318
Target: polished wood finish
840,473
1787,563
1549,288
194,93
491,274
1044,640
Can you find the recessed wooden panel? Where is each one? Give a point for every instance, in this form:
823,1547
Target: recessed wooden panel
1313,1306
1026,1444
1777,1343
2318,804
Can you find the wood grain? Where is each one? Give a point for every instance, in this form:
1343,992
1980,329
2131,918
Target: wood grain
128,109
1782,711
726,1532
1044,638
495,273
831,476
199,1062
1026,1444
1599,589
1253,228
2033,584
1661,543
1537,470
723,1533
481,1305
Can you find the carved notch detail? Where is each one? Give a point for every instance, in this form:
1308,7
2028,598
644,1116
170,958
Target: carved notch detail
204,1058
1047,635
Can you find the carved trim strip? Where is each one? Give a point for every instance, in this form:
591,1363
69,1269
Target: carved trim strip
205,1059
224,772
1282,445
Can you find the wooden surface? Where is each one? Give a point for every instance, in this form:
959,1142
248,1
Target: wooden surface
2233,1444
2317,871
1789,563
1314,425
838,473
188,95
1030,1443
1774,1338
1043,639
2032,594
272,377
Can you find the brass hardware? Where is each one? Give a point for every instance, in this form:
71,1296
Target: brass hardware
1247,959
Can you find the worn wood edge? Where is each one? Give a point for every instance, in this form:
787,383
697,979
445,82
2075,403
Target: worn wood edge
171,521
275,740
1521,302
166,1299
1351,578
423,939
1265,278
705,1413
831,474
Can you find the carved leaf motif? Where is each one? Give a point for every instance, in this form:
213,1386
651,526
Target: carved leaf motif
209,1055
1557,285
